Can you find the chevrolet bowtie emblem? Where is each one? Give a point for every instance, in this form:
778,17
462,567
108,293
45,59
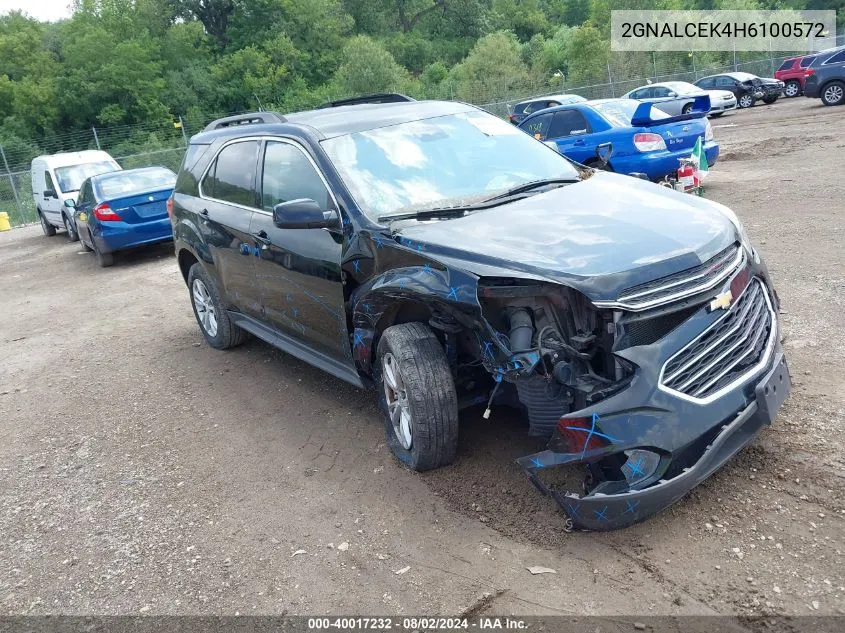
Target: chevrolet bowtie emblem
722,301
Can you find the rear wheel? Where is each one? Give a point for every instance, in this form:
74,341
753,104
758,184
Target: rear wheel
49,229
792,88
103,259
417,396
745,101
210,311
70,227
834,93
686,109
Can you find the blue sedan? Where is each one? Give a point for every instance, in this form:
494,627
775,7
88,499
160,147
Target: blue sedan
645,140
124,209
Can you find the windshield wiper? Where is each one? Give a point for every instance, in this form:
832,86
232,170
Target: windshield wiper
534,184
428,214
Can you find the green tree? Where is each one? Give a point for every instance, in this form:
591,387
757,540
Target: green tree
369,68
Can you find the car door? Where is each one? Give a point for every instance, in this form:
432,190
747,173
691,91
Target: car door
50,202
570,131
723,82
82,211
225,211
299,269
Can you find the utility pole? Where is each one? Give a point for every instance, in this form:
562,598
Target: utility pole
96,138
182,127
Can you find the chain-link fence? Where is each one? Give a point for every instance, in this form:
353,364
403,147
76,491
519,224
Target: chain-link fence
164,144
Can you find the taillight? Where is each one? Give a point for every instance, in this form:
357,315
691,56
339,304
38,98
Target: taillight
649,142
170,207
104,212
708,131
809,71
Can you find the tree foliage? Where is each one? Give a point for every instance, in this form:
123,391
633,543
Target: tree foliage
144,63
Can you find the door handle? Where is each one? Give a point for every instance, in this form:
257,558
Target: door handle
579,142
262,238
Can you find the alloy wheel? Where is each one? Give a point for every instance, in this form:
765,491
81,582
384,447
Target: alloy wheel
204,305
833,94
791,89
746,101
398,407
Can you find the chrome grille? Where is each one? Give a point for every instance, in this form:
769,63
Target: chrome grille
683,284
727,351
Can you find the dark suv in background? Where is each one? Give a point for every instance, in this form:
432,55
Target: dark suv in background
441,255
826,77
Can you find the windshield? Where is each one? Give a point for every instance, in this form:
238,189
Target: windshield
71,178
442,161
130,182
619,113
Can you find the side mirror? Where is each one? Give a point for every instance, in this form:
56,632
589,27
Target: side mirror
70,204
49,193
672,94
303,213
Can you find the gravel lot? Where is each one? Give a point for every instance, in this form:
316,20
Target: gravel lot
144,472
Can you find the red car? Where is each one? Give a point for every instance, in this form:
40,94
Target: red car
793,73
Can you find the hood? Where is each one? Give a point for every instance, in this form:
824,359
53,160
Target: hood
600,235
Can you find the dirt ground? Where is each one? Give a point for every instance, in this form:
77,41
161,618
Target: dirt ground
142,471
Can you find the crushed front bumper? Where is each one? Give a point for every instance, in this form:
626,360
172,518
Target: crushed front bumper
650,444
613,511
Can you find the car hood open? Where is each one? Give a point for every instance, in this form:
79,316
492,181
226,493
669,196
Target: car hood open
601,235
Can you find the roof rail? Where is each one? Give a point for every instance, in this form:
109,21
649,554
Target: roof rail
248,118
380,97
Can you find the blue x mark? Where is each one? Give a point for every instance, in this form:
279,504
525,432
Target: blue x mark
367,308
453,293
636,469
572,510
590,433
427,269
488,349
356,264
536,462
631,507
359,340
379,241
601,515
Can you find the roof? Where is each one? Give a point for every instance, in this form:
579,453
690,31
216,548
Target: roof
66,159
123,172
550,98
342,120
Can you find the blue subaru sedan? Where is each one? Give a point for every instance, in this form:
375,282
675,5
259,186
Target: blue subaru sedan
645,139
124,209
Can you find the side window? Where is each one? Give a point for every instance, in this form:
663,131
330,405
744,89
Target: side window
534,106
806,61
86,194
49,185
839,57
787,64
232,174
659,92
568,123
287,175
705,83
726,82
539,125
642,93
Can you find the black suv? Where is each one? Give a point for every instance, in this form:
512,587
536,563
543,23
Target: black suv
747,88
826,77
441,255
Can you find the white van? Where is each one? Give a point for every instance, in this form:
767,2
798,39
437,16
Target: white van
56,179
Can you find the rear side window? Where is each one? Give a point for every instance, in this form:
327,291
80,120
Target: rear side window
709,82
806,61
568,123
231,177
86,194
787,64
833,59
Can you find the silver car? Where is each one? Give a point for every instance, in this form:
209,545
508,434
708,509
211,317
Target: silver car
676,97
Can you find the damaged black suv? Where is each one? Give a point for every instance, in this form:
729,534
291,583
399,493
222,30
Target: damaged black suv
439,254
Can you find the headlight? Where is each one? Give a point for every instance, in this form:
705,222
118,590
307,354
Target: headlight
740,229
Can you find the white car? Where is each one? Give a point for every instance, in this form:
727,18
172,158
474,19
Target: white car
676,97
56,179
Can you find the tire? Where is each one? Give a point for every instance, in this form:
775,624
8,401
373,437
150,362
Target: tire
70,227
833,93
792,88
49,229
422,388
686,109
745,101
770,99
103,259
595,163
210,311
87,248
716,115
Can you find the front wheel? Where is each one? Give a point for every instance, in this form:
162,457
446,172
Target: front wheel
417,397
210,311
792,88
49,229
716,115
770,99
745,101
70,227
834,93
